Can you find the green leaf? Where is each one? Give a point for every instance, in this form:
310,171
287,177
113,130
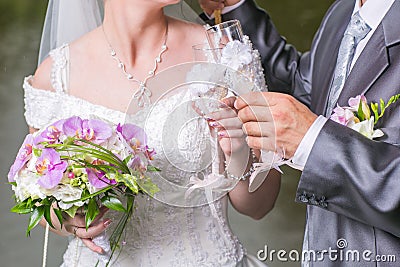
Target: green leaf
360,113
382,103
119,229
72,211
13,183
91,212
21,208
128,180
58,213
37,152
47,215
391,100
130,199
29,202
113,203
383,107
35,218
127,159
148,186
152,169
374,108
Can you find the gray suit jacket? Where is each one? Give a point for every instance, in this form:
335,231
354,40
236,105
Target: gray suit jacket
350,183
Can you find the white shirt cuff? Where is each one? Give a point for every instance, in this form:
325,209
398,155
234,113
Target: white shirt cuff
227,9
303,151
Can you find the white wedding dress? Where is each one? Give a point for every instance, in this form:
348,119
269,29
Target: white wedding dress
158,234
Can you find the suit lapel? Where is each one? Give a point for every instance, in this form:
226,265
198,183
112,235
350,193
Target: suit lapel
374,59
326,54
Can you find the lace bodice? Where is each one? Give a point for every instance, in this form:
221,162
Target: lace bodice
158,234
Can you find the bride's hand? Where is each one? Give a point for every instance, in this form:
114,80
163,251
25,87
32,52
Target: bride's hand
229,127
76,226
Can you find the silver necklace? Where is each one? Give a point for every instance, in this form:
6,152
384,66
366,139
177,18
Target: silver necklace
142,94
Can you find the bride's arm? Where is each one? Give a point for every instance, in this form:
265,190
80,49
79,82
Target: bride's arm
238,161
258,203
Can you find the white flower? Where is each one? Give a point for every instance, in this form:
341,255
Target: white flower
27,186
366,128
236,54
204,76
66,193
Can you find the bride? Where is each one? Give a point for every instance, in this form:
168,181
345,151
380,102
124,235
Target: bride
97,74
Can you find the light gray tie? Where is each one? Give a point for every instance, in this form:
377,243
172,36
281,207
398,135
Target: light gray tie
355,32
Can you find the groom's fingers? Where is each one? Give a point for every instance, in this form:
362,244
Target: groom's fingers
266,99
258,129
263,143
210,5
255,113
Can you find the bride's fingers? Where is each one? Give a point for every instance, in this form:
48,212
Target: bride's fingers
70,224
229,102
92,246
92,231
78,220
230,123
236,133
197,109
221,114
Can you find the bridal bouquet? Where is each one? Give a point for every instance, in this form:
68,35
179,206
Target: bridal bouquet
81,164
359,117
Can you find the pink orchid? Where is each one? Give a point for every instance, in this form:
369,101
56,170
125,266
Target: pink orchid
51,133
50,167
24,154
134,135
98,179
91,130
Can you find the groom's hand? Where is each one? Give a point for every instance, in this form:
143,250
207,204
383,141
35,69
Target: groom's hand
274,121
210,5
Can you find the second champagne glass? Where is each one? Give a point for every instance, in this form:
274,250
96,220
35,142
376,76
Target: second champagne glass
220,34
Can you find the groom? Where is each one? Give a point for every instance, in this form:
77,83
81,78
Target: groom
350,183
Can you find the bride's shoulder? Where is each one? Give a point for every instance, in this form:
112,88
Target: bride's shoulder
42,76
46,75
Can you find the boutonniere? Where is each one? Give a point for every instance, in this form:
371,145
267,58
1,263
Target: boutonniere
362,117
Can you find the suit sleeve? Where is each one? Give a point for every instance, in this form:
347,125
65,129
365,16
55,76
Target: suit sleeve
356,177
286,70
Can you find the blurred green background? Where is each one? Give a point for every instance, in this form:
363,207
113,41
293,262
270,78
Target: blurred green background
20,29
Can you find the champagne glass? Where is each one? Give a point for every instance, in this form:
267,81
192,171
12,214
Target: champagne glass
228,36
222,33
205,53
209,99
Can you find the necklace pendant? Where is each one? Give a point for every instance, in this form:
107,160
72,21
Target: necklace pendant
143,95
